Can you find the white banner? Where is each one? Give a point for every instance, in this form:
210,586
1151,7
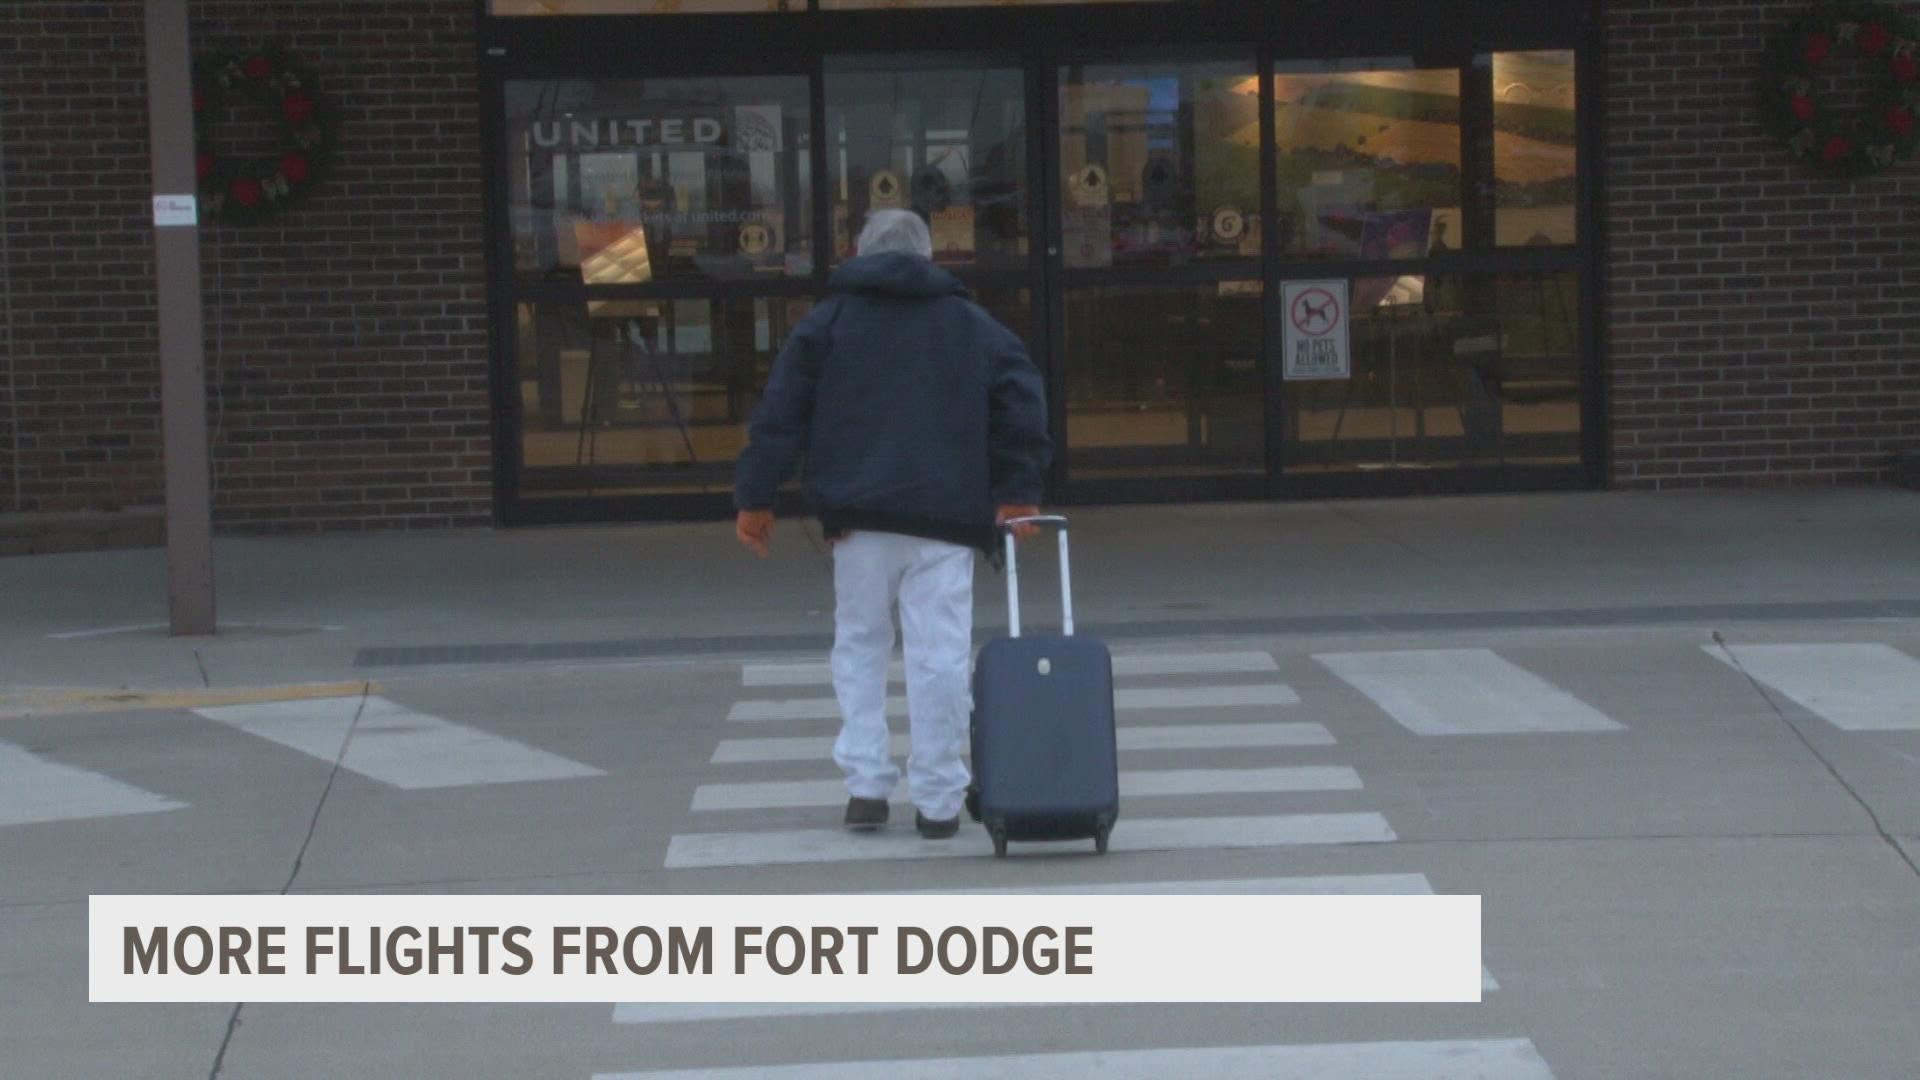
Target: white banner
813,948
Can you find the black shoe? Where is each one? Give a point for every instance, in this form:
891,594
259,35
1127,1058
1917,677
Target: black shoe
866,813
935,830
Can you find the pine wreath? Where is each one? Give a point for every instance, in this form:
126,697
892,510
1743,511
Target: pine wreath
1851,145
248,191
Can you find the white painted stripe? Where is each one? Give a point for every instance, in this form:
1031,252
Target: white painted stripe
1125,665
772,848
1852,687
1323,885
34,790
396,745
1331,885
1457,1059
1175,697
1223,736
1206,697
684,1012
106,631
687,1012
1159,782
780,794
1464,692
72,635
675,1012
1174,737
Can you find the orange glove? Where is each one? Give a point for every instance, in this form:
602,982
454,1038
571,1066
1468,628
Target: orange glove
755,530
1020,531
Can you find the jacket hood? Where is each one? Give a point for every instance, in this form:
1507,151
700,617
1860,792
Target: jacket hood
895,274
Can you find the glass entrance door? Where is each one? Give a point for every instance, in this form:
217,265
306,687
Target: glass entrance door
1141,200
946,137
1437,204
1156,182
662,242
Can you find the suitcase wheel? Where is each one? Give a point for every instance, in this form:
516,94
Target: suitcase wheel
1100,842
999,844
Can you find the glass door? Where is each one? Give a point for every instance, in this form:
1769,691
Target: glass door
663,249
946,137
1157,180
1436,205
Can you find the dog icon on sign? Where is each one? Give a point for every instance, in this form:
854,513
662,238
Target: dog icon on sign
1315,312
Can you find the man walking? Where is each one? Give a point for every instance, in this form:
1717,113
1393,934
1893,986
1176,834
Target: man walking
923,424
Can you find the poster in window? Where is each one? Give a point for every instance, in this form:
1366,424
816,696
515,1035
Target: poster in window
1087,236
756,128
953,235
1399,234
886,191
1087,220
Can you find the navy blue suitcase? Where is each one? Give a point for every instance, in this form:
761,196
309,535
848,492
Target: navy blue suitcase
1045,759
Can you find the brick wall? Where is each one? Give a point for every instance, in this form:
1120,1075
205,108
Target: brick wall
346,345
78,278
1763,324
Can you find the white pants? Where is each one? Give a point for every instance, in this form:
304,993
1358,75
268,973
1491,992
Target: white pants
932,582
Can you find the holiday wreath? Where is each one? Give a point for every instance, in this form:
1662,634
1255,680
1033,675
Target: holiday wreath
254,190
1852,143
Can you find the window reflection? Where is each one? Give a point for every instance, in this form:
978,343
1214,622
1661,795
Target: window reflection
1369,160
630,181
640,7
1534,155
1012,305
1446,371
862,5
1159,165
653,395
1165,381
950,145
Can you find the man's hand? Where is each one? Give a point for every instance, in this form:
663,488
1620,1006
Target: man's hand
755,530
1021,531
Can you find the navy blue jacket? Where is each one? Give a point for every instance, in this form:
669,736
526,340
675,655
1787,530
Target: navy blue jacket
914,411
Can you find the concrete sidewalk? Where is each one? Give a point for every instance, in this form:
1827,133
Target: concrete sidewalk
351,607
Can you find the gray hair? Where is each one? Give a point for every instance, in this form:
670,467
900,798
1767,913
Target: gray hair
896,230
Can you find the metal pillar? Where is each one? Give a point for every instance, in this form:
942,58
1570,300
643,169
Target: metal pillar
183,384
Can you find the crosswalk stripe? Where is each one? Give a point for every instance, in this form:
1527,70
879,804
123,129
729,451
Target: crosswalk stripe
1135,698
1325,884
1453,1059
1171,737
688,1012
1329,884
1125,665
34,790
778,847
680,1012
1852,687
1464,692
1224,736
396,745
781,794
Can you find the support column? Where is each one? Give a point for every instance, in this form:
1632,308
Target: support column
183,383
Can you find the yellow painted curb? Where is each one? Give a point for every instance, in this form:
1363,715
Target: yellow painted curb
43,702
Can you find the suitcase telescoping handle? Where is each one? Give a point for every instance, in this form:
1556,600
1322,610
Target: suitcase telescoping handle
1013,572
